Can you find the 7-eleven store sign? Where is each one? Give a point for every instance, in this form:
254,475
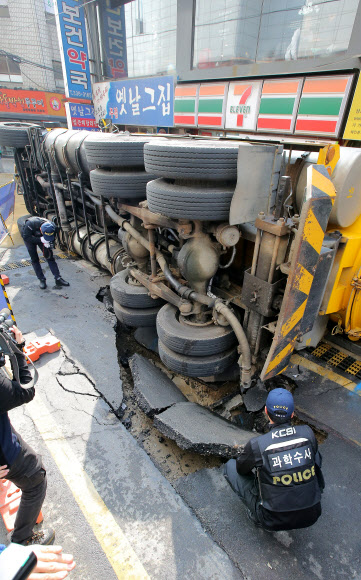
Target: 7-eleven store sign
242,105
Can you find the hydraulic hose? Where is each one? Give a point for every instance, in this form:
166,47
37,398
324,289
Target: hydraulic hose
188,293
242,339
95,200
43,183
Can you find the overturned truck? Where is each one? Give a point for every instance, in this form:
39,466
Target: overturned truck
238,252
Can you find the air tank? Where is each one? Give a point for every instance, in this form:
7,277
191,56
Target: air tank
346,178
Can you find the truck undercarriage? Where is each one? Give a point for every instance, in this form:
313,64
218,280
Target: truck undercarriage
239,253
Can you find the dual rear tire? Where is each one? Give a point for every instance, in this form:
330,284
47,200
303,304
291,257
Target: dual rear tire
192,350
132,304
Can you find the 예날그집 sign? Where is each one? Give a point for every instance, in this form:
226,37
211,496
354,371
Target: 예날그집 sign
147,102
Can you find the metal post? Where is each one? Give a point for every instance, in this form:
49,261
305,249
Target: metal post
33,180
274,258
48,170
82,193
24,183
70,190
153,261
106,237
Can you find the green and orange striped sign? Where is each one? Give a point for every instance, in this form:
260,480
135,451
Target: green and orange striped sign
279,100
186,105
212,105
322,104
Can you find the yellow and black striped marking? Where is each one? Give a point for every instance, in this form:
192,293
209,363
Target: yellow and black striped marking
293,319
336,358
7,300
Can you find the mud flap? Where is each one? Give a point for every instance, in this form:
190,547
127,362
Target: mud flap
320,195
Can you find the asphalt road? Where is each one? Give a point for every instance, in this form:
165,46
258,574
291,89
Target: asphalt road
107,501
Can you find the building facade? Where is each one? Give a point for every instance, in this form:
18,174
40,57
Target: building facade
28,31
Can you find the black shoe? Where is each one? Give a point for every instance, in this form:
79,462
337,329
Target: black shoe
43,537
60,282
43,284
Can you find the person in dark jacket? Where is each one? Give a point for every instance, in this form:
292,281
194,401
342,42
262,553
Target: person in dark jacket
39,232
19,462
278,475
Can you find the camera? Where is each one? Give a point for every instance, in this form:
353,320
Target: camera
9,346
17,562
5,335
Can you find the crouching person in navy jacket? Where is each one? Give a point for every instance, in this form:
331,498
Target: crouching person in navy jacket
278,475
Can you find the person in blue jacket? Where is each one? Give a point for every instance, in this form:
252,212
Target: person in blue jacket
39,232
19,462
278,475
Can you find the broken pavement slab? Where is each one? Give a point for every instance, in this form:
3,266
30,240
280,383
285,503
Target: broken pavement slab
197,429
155,392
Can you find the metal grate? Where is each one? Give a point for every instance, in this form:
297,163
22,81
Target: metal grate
338,359
24,263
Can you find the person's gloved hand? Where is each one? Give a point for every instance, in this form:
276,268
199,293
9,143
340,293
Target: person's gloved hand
46,244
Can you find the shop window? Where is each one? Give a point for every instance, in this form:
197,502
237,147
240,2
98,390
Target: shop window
228,32
151,28
9,71
58,74
4,9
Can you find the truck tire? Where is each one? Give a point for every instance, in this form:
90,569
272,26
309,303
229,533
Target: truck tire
183,159
14,134
111,150
199,202
196,366
120,184
192,340
129,295
135,316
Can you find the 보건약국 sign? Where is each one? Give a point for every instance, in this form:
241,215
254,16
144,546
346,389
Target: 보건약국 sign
73,48
243,105
146,102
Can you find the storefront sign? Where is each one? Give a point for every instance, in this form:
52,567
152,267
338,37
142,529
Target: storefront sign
353,125
31,103
146,102
73,48
112,22
186,105
242,105
322,105
279,103
212,105
81,116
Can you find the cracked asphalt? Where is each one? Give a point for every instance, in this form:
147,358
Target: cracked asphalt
108,502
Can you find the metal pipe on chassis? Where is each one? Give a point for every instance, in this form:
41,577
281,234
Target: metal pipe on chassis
188,293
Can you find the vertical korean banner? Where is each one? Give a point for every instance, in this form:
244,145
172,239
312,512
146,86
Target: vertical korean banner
71,28
112,23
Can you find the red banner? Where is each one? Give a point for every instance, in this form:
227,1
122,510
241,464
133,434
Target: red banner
31,103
